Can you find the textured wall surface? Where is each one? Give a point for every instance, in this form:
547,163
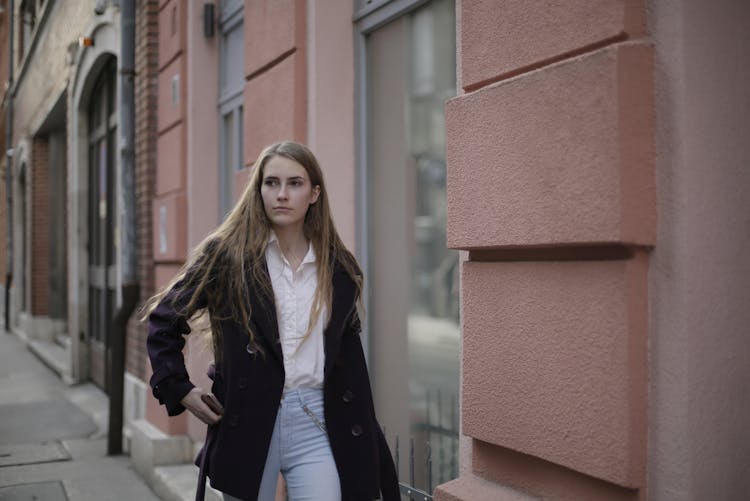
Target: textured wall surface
565,345
700,276
506,38
555,156
276,73
551,190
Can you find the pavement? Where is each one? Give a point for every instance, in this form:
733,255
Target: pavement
53,437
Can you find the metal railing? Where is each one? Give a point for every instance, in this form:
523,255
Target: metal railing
438,436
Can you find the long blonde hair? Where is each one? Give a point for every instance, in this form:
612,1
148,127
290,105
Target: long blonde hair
218,266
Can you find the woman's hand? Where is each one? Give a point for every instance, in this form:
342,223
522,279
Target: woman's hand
193,402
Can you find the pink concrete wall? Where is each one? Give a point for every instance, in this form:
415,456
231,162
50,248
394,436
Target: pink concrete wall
565,343
700,277
276,73
513,36
276,105
330,106
171,37
551,189
170,173
556,156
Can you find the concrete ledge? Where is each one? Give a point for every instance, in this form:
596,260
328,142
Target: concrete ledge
472,488
150,447
135,405
41,327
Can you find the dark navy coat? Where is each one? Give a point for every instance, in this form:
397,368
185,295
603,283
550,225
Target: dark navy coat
250,386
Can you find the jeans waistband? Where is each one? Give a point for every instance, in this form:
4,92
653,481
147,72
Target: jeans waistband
302,394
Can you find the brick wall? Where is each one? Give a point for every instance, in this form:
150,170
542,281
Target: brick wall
146,67
40,221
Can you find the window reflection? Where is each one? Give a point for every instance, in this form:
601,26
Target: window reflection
413,276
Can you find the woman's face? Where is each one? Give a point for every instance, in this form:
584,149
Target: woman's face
287,192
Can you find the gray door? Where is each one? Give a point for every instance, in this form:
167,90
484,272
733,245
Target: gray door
102,130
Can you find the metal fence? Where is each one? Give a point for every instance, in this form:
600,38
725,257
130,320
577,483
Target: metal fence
437,461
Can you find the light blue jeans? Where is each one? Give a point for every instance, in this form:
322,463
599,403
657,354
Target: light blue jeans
300,450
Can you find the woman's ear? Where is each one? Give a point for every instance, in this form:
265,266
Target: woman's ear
315,194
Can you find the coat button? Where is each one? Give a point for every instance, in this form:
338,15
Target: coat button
233,420
356,430
348,396
242,383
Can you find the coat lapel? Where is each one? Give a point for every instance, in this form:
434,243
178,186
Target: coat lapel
263,308
344,291
263,314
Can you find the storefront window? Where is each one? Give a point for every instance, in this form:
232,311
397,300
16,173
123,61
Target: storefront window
413,278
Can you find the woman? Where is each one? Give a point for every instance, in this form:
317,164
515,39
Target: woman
281,292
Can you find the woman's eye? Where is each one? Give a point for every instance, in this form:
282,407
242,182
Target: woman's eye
269,182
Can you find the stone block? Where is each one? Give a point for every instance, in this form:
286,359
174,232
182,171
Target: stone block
558,156
169,228
502,38
172,22
555,362
170,174
150,447
172,93
275,106
272,29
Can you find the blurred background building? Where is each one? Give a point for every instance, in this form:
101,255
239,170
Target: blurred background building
548,199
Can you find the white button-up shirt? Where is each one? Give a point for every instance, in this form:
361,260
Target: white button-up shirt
294,292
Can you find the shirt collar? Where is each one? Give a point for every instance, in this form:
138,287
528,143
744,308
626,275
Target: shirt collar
309,257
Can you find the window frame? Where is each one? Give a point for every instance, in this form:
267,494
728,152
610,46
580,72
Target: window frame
230,100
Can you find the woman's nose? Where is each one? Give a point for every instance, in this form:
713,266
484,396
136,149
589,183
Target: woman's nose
282,192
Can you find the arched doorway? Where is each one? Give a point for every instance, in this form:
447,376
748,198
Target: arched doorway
102,120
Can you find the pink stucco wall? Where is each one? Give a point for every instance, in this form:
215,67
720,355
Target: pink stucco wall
540,386
330,106
700,273
565,345
276,74
551,190
557,156
506,38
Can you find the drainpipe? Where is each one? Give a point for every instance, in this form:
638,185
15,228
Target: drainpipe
9,169
130,288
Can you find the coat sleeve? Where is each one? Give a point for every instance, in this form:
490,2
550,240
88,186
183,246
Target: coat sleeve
167,327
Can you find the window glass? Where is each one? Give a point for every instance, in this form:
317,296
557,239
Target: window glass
231,85
413,277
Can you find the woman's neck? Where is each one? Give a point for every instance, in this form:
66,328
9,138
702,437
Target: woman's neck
293,244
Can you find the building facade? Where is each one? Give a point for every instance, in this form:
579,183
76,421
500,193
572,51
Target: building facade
547,199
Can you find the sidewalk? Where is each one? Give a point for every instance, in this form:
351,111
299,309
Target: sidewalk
53,437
